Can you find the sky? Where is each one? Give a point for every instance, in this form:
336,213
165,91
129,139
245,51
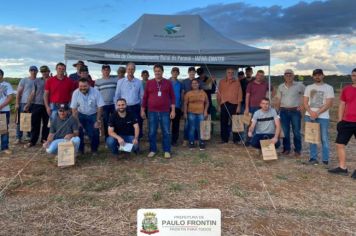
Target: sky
302,35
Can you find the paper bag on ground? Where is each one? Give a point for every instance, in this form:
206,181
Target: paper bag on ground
66,154
25,121
268,150
312,132
3,123
247,118
237,123
205,128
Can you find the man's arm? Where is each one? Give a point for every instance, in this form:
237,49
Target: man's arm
341,111
137,133
112,133
278,130
247,103
7,101
46,101
252,128
326,106
313,114
18,96
29,100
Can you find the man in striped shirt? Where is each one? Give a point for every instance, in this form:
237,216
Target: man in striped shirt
107,87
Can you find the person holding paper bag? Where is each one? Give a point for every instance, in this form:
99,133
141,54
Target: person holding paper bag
266,124
123,128
6,95
64,128
196,106
318,99
346,127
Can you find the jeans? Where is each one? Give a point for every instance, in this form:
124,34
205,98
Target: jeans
194,126
255,142
175,125
19,133
5,137
87,127
324,134
227,109
113,144
107,111
161,118
53,147
288,118
39,114
135,110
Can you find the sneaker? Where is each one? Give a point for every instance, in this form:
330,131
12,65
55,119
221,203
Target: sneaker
191,145
202,146
7,152
285,152
353,175
185,143
151,154
17,141
27,138
326,163
339,171
297,154
313,162
28,145
167,155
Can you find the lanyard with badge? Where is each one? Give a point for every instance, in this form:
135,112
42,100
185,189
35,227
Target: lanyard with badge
159,89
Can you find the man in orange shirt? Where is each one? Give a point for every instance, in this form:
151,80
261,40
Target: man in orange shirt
229,98
196,106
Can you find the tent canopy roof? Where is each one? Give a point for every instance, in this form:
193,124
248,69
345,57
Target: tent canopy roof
170,39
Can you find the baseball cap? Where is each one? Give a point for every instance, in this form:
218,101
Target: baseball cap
33,68
318,71
175,69
83,69
79,62
288,71
240,73
200,71
1,72
106,66
44,69
63,106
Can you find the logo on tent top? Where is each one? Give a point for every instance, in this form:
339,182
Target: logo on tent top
172,28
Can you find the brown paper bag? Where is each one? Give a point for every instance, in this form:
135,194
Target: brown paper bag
312,132
237,123
268,150
25,121
66,154
3,123
247,118
205,129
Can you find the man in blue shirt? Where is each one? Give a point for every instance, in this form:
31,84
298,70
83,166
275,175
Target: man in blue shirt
86,105
178,93
131,89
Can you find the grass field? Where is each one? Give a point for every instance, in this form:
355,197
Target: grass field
101,195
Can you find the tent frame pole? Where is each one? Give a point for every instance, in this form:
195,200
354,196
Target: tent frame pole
269,81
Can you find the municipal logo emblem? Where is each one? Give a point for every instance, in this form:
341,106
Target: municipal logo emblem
149,223
172,28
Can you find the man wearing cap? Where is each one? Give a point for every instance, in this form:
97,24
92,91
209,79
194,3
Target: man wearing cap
123,128
58,90
131,89
76,76
86,105
289,101
38,109
24,90
6,95
121,71
318,99
144,76
178,93
82,72
64,128
159,99
107,87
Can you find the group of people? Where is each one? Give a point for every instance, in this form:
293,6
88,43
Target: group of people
76,106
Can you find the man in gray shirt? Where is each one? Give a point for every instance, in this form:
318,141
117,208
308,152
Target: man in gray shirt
289,101
39,114
107,87
266,124
24,90
64,128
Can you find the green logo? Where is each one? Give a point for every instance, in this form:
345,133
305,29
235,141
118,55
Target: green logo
172,28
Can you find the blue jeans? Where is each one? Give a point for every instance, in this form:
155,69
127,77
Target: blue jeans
161,118
194,126
53,147
255,142
113,144
19,133
5,137
87,127
107,111
293,117
324,134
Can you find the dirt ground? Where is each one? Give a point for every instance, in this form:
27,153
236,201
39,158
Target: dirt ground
101,195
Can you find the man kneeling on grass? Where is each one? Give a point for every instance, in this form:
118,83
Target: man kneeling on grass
123,128
267,124
64,128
